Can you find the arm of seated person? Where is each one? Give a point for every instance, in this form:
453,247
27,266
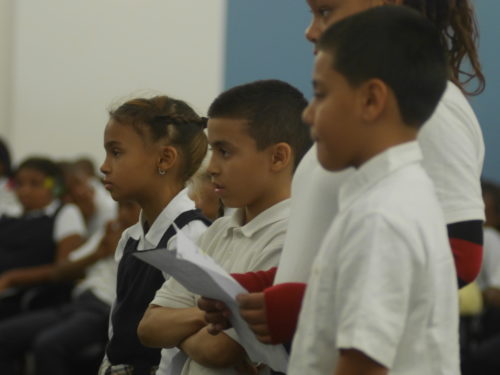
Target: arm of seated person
38,274
355,362
105,247
219,351
165,327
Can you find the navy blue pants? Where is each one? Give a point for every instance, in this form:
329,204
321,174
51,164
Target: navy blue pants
54,336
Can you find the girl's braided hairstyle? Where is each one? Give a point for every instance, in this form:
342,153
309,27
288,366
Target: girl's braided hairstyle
168,119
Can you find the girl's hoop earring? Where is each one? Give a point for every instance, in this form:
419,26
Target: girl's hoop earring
161,172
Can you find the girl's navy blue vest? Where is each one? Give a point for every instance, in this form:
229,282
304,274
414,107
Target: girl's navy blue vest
136,286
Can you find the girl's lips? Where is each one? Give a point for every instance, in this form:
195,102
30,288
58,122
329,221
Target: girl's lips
218,188
107,185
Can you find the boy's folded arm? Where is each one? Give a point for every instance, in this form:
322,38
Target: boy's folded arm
165,327
466,241
219,351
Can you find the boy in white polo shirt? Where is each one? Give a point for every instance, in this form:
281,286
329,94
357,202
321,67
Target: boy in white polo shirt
257,138
382,295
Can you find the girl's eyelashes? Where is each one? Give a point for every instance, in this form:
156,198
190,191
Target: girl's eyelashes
324,12
115,152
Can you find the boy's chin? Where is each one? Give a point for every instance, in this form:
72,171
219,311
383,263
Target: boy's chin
332,164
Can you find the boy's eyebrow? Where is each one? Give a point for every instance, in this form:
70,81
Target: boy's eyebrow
110,144
220,144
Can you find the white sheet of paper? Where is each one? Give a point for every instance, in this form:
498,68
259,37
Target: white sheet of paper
199,273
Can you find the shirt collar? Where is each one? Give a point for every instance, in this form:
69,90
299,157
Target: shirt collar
179,204
48,210
376,169
277,212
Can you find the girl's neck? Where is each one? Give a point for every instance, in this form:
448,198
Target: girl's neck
156,203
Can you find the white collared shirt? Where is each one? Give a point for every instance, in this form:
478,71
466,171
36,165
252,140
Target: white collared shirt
384,280
490,269
237,248
453,149
150,240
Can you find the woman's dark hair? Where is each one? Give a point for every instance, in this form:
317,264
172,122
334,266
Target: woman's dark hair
457,25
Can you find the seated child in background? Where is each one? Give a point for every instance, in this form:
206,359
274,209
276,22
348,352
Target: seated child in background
382,295
201,191
257,138
56,335
94,202
45,233
153,147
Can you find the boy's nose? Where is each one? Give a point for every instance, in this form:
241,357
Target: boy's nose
307,116
212,169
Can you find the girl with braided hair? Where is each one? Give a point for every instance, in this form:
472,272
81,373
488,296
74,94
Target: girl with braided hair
153,146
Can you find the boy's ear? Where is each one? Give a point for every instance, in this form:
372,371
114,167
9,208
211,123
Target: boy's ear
168,157
281,156
374,97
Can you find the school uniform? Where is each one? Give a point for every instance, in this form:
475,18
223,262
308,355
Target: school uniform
383,281
453,148
56,335
138,281
31,239
237,248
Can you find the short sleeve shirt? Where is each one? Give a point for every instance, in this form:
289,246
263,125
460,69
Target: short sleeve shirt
453,149
237,248
383,281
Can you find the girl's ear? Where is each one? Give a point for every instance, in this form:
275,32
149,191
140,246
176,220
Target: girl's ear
168,158
281,156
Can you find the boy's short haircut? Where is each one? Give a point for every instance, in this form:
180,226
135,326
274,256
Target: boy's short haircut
273,110
398,46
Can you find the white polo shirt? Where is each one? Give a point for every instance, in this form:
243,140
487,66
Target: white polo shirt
453,149
384,280
490,269
237,248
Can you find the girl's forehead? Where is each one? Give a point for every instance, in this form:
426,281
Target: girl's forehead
30,172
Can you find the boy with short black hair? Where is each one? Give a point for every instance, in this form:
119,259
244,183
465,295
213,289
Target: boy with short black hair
257,138
382,295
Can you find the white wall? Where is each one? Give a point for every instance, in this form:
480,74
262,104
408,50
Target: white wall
6,12
72,59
